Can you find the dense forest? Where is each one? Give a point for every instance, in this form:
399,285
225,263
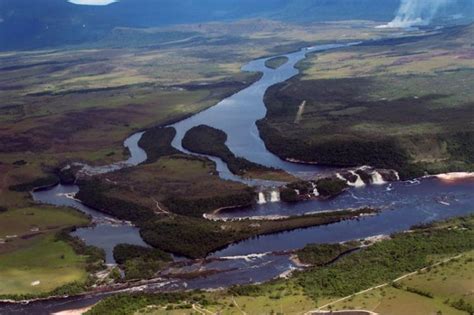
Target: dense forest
157,143
140,262
384,261
207,140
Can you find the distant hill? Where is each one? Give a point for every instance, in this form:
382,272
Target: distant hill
27,24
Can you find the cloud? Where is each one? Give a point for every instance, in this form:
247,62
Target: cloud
92,2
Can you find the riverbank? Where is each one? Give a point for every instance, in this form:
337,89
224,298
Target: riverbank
440,242
206,140
360,121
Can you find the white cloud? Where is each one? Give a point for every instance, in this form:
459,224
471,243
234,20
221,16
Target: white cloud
92,2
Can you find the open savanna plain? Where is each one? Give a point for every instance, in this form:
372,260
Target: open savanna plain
405,104
78,104
443,289
33,260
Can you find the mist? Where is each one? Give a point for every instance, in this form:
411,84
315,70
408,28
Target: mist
416,13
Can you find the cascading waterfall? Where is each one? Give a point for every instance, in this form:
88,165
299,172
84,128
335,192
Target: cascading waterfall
315,189
261,198
377,178
359,182
275,196
339,176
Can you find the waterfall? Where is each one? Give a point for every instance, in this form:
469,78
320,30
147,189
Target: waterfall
397,175
342,178
359,182
315,189
377,179
275,196
261,198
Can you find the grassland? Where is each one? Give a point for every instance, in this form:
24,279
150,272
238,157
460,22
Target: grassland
447,283
52,263
32,252
400,104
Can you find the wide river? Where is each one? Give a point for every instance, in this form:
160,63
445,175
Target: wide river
262,258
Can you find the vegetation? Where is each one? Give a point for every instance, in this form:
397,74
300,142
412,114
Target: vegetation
157,143
443,289
196,238
93,194
288,195
33,270
94,257
374,265
330,187
277,62
36,245
210,141
435,290
171,183
140,262
324,254
385,104
40,182
125,304
124,252
462,305
197,207
327,187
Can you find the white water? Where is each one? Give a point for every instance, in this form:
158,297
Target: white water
342,178
275,196
247,258
315,189
137,156
315,192
377,179
454,176
261,198
359,182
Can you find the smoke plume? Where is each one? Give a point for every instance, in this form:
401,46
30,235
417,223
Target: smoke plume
416,13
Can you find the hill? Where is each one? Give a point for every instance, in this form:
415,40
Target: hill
31,24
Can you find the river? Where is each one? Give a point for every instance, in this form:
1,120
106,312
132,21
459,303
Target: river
262,258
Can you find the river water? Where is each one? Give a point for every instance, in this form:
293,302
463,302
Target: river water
237,115
262,258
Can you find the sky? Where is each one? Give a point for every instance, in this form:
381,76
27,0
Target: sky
92,2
